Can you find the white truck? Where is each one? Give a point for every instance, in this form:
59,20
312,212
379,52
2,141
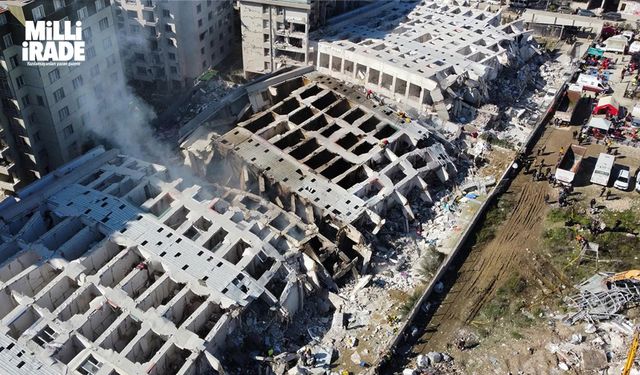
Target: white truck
570,164
602,171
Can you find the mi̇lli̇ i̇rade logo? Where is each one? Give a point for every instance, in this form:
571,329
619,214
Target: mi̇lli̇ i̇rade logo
53,43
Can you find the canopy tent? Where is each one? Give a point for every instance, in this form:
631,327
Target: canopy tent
606,105
597,52
599,123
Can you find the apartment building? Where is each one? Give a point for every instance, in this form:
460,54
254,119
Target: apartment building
275,33
167,44
45,109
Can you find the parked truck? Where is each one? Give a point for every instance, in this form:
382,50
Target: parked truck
568,104
570,164
602,171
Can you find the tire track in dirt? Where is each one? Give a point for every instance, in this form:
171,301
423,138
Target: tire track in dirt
489,265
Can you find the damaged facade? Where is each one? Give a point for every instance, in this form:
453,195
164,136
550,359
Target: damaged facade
111,265
433,57
320,150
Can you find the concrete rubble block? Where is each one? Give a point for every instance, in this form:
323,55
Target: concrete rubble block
593,360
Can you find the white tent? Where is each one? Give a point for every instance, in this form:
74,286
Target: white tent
600,123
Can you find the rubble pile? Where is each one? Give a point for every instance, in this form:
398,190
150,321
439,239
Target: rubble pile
207,94
524,94
601,347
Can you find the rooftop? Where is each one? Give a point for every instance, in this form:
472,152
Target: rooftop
114,264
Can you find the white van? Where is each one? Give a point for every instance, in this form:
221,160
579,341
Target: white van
602,171
591,83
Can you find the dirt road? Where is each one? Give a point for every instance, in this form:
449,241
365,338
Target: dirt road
489,265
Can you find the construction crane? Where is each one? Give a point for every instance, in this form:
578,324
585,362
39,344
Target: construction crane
626,275
632,353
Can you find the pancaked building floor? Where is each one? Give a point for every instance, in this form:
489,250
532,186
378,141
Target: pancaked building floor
316,147
111,265
342,167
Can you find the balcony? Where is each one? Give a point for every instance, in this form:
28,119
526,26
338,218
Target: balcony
7,167
8,183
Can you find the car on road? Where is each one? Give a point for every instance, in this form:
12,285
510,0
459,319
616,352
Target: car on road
565,10
622,182
612,16
585,13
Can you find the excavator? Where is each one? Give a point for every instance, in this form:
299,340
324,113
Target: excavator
631,275
632,353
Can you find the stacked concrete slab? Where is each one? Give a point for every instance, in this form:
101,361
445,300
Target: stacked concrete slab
321,150
111,265
430,56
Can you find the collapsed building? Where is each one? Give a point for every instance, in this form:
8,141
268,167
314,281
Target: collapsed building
320,149
432,57
111,265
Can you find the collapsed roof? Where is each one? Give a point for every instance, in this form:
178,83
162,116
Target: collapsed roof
426,55
112,263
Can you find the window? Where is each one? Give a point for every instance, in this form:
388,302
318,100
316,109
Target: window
3,19
54,75
82,101
220,36
166,13
202,51
142,70
77,82
83,13
38,12
99,4
103,24
174,70
202,35
204,64
111,60
68,130
8,41
107,43
40,100
87,34
210,16
198,8
20,81
58,95
200,22
168,28
213,57
63,113
139,56
13,61
170,42
95,70
132,14
211,43
172,56
25,101
91,53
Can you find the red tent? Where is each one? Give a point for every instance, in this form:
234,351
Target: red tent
606,105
